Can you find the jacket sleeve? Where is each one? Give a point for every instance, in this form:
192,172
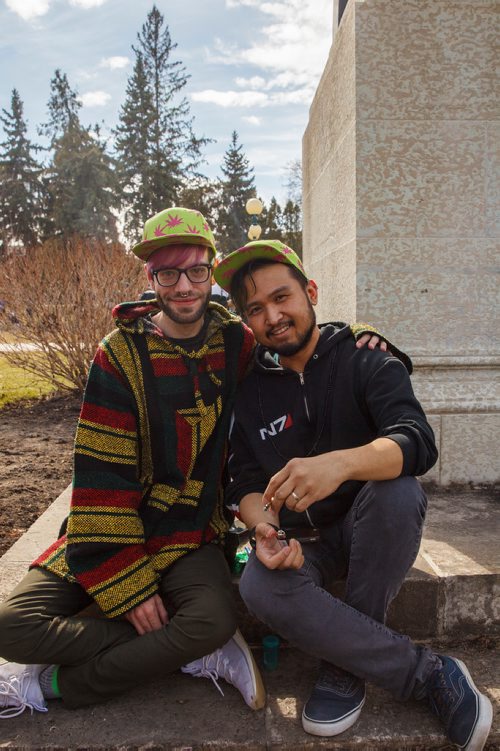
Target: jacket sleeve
105,538
396,412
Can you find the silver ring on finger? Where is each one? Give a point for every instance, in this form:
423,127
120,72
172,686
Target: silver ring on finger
294,494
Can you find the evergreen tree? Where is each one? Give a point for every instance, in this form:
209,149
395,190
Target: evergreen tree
133,143
204,195
83,186
21,188
162,128
81,180
271,220
63,108
238,185
292,226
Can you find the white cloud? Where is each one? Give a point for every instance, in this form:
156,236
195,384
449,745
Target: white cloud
231,98
252,119
290,49
94,98
29,9
249,99
256,82
118,61
297,41
87,3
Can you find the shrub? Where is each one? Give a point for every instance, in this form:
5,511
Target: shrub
58,299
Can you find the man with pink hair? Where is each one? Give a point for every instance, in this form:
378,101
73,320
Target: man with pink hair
147,527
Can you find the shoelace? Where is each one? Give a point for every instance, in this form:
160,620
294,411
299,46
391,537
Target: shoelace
441,697
14,689
334,678
221,667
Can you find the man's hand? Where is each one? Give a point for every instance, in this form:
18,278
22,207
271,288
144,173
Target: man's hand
150,615
302,482
274,553
372,340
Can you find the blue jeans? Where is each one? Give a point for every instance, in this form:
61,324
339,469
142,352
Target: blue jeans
374,545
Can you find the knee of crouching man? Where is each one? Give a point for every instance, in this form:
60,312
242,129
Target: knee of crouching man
10,637
399,504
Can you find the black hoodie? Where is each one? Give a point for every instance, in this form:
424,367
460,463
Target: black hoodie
346,397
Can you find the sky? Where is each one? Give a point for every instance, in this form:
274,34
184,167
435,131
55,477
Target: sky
254,67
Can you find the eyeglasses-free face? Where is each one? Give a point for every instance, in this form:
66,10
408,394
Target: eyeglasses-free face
196,274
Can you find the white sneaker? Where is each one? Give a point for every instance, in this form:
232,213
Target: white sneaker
235,663
20,689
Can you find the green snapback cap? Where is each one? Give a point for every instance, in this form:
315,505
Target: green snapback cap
271,250
174,226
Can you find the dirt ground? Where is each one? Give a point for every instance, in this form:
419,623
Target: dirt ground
36,452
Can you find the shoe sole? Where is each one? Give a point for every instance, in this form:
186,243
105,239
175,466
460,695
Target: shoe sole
327,729
260,692
484,716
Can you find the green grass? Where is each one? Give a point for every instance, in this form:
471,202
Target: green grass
17,384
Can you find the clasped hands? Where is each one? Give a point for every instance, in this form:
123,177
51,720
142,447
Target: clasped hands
150,615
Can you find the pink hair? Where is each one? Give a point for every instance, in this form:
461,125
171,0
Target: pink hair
173,256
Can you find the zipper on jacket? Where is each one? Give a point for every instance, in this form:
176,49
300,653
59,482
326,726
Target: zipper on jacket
304,396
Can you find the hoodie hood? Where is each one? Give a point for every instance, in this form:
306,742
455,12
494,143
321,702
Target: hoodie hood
330,335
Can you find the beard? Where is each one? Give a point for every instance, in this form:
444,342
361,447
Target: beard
200,308
292,348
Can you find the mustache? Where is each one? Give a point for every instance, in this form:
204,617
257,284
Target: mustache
270,330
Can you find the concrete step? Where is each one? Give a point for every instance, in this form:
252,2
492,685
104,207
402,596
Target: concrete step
453,588
181,713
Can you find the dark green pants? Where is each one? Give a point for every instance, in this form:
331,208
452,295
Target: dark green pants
41,623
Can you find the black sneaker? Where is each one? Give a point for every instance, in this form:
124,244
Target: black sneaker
465,713
335,703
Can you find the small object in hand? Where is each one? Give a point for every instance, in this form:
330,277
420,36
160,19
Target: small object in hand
280,535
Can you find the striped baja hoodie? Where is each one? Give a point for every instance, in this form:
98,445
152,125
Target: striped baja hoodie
150,452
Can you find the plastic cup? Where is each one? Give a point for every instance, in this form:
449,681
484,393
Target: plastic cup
270,647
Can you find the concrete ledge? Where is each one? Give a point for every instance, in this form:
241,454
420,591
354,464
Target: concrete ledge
14,563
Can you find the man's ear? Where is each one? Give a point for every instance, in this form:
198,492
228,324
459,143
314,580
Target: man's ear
149,276
312,291
215,263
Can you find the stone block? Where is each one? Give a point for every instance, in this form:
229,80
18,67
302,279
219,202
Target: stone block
422,178
335,275
465,597
334,194
433,296
469,448
426,60
493,180
458,386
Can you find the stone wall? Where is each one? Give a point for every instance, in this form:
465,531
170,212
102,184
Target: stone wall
400,181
